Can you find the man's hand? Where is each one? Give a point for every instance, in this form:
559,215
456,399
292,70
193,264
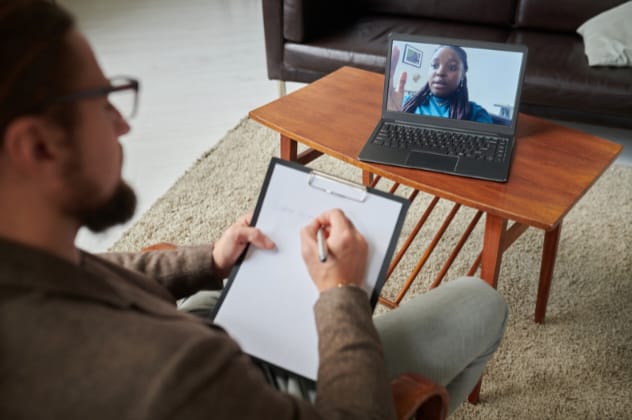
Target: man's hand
346,256
396,96
233,242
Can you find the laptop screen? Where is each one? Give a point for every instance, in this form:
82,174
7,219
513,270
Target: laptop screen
461,81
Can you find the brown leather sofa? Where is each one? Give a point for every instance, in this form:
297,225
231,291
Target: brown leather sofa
307,39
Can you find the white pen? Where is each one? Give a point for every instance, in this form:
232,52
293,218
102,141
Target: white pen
322,247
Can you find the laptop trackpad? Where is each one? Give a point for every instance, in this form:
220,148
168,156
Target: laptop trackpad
432,161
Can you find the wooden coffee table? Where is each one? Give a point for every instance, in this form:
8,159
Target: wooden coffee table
553,167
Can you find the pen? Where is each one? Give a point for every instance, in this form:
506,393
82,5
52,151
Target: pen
322,248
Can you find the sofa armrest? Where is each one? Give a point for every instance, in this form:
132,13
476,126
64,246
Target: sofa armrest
273,36
300,21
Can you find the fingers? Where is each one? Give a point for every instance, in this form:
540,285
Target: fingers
396,88
308,241
312,228
347,251
245,234
255,237
394,58
394,61
233,242
402,81
333,219
245,219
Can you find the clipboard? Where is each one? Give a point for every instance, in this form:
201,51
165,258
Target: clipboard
267,304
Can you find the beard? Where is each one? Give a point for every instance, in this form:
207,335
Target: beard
97,216
81,205
117,210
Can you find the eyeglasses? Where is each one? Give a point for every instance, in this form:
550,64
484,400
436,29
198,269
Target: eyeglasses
122,94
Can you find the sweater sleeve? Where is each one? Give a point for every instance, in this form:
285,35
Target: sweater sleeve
352,377
183,271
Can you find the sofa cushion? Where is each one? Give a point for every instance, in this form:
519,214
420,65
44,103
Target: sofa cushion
608,37
559,15
363,43
497,12
307,19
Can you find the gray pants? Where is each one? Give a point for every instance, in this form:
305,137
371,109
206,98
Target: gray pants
447,335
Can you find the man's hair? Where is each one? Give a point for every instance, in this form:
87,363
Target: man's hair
36,62
459,99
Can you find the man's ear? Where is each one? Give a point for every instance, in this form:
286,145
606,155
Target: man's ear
31,143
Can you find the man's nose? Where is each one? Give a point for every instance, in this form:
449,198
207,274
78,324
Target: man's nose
121,124
124,128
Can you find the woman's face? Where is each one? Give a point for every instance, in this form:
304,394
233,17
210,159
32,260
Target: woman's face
446,72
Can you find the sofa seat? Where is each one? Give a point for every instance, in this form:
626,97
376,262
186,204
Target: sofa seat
362,44
557,78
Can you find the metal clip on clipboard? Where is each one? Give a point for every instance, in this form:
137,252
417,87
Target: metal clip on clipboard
337,186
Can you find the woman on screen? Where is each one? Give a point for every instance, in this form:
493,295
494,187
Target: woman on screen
445,94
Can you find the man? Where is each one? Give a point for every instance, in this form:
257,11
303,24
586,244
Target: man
99,337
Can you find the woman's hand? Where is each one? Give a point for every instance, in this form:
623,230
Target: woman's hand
233,242
346,251
396,96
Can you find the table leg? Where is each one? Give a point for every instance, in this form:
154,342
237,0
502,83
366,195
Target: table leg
549,253
289,151
474,396
367,178
289,148
493,248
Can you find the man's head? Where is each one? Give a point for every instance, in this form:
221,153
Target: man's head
58,130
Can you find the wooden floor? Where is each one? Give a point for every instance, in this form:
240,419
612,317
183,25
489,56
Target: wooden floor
202,68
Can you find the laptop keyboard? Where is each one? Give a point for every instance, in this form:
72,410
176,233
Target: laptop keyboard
448,143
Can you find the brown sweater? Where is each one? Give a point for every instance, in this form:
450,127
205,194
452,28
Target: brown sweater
104,340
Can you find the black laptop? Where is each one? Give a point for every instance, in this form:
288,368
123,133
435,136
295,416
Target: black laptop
449,105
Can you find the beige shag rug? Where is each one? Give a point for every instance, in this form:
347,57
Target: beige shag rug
578,365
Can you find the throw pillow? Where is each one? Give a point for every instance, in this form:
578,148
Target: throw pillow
608,37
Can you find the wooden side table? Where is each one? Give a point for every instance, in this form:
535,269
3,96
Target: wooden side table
552,168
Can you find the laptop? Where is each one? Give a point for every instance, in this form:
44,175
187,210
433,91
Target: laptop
438,117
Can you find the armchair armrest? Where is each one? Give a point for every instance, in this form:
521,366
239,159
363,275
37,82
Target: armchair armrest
160,246
415,396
